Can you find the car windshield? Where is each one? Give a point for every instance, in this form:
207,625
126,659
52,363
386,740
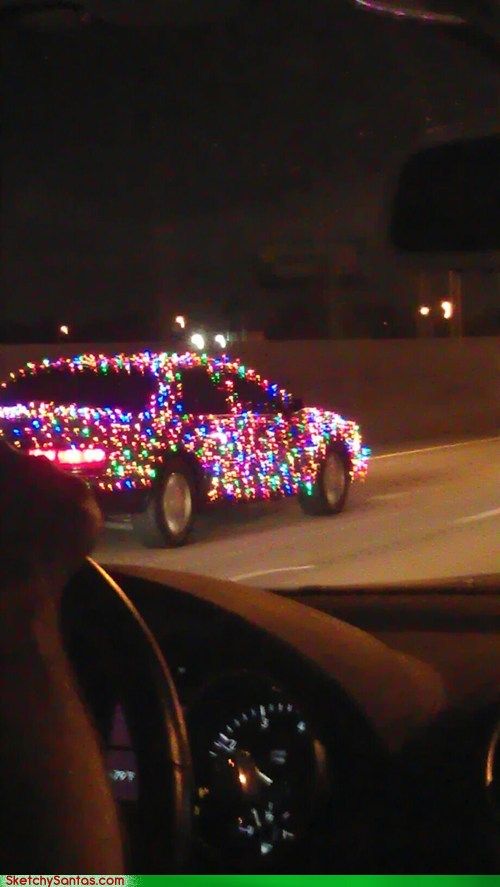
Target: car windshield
217,179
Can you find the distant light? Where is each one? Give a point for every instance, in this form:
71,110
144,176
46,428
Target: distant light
242,778
447,309
424,310
64,329
198,341
219,339
180,320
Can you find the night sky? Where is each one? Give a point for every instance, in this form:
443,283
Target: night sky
111,133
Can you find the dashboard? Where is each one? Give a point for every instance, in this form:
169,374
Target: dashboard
260,771
295,771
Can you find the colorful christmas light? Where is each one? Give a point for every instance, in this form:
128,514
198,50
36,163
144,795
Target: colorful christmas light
244,455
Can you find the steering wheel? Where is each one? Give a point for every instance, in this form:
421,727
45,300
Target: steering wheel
118,662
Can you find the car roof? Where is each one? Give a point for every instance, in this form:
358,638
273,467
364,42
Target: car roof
162,364
155,360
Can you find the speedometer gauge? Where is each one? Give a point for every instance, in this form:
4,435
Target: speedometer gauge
257,769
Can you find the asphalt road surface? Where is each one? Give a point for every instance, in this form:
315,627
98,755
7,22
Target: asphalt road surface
425,512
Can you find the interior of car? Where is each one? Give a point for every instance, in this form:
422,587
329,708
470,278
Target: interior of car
348,729
245,734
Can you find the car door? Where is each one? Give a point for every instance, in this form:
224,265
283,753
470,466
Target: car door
263,420
209,430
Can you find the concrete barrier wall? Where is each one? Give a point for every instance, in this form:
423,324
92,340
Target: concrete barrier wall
399,390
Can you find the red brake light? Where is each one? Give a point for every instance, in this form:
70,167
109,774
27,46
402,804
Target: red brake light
72,458
49,454
81,457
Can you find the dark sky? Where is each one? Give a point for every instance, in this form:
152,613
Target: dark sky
109,133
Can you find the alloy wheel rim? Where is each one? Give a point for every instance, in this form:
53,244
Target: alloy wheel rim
177,503
333,479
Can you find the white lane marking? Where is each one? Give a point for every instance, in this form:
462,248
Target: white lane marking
114,525
462,443
243,576
482,515
383,496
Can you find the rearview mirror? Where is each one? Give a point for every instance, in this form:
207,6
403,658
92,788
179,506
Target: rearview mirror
467,18
442,12
447,199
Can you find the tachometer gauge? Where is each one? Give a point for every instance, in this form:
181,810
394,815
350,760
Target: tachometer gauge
257,771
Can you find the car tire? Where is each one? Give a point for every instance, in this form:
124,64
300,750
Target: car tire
331,489
169,516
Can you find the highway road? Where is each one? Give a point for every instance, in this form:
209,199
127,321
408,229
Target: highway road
426,511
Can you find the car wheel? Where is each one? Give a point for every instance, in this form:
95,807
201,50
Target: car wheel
169,516
329,493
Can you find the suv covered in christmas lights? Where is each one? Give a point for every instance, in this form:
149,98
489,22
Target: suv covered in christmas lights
162,435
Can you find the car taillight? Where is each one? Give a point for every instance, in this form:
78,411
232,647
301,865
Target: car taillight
49,454
72,458
81,457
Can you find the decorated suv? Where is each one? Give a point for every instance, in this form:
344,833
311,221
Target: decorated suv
162,435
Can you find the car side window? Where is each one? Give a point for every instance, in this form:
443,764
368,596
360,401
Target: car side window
128,390
253,397
200,395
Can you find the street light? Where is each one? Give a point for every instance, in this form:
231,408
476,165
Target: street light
64,329
198,341
447,309
424,310
180,320
219,339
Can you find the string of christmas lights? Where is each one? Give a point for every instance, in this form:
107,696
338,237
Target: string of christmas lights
245,455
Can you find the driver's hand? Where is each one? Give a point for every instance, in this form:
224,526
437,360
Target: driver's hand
49,522
61,814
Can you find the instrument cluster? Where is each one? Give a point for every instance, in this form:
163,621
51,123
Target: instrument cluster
260,770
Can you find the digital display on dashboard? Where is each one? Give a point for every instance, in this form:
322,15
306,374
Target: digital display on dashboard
121,764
